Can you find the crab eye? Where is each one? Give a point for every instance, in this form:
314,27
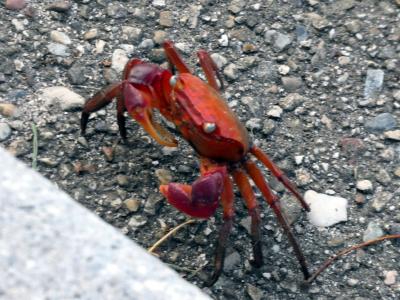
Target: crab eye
173,80
209,127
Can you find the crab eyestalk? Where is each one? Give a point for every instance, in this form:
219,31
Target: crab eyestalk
138,105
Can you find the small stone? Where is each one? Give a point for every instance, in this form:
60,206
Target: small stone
8,110
282,41
360,198
298,159
164,176
231,71
317,21
253,123
232,261
137,221
194,13
116,10
58,49
390,277
219,60
397,172
291,101
159,3
275,112
15,4
246,223
283,69
223,41
372,232
153,203
381,122
5,131
383,177
291,84
159,36
303,177
301,33
60,37
352,282
122,180
108,153
60,6
76,74
63,97
380,199
90,34
364,186
325,210
396,95
166,19
268,126
249,48
343,60
119,60
393,135
146,44
254,292
373,83
132,204
99,46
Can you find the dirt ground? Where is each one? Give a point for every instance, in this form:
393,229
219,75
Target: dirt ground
315,82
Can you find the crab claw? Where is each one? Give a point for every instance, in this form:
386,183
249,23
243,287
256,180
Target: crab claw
199,200
138,105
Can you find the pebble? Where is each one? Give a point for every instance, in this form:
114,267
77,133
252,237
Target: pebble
8,110
219,60
137,221
390,277
380,200
291,83
232,261
283,69
231,71
268,126
393,135
60,37
164,176
5,131
254,292
301,33
166,18
353,282
373,83
99,46
223,41
396,95
382,122
90,34
153,203
372,232
317,21
303,177
122,180
282,41
146,44
116,10
76,74
60,5
58,49
15,4
158,3
325,210
119,60
275,112
344,60
132,204
194,13
159,36
131,34
364,186
291,101
63,97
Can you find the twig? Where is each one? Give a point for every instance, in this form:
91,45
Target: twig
165,237
34,146
330,260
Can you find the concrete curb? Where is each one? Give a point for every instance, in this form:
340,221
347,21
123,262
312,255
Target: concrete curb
53,248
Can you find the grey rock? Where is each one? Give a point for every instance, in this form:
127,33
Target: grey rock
146,44
232,261
136,222
373,231
76,74
268,126
59,250
380,199
291,101
131,34
373,83
282,41
301,33
116,11
5,131
60,37
254,292
63,97
153,204
381,122
291,83
58,49
231,71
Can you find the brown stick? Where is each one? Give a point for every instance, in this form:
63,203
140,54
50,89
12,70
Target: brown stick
160,241
330,260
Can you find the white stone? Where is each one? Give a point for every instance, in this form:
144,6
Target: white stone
60,37
325,210
62,97
119,60
364,185
275,112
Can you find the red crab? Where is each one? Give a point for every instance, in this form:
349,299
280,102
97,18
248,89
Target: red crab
203,118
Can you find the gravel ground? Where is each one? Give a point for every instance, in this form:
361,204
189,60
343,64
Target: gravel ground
316,83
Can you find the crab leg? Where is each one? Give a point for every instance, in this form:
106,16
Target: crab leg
247,192
98,101
257,152
210,69
174,58
273,202
227,205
